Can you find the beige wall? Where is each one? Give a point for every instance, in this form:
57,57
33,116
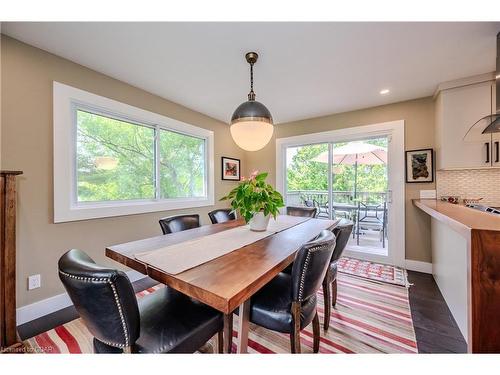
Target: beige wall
419,133
26,88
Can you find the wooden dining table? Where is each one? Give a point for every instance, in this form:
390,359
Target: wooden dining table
227,282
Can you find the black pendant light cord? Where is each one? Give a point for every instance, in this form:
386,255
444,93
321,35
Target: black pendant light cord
251,94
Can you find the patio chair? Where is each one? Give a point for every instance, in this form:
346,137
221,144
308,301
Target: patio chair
371,216
308,203
322,209
344,214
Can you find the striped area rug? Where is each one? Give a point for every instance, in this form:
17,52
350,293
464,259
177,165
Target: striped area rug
373,271
370,317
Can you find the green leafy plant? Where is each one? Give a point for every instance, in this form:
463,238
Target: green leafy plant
255,195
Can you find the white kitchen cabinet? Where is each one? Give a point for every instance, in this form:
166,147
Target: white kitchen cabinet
457,109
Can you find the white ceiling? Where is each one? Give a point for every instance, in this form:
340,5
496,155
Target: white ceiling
304,70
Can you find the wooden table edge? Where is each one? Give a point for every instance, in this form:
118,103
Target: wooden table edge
126,261
193,290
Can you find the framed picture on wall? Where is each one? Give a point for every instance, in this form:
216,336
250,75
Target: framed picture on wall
230,169
420,165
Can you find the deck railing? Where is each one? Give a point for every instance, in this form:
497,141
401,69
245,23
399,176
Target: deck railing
298,197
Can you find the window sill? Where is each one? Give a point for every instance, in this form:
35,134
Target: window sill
103,210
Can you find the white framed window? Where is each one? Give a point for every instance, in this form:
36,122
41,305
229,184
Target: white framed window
113,159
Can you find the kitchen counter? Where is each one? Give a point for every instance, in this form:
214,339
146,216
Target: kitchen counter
459,217
466,267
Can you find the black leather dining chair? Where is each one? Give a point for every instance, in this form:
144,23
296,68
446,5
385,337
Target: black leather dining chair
288,302
165,321
342,234
179,223
221,215
301,211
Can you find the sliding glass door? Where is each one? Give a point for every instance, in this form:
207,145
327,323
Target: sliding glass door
345,180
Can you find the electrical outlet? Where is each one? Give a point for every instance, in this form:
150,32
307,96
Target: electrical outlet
34,281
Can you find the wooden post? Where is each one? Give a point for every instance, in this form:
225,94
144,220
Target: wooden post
8,330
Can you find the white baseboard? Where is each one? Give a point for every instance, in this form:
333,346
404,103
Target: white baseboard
52,304
416,265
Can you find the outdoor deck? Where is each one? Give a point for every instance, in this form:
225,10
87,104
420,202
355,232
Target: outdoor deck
345,206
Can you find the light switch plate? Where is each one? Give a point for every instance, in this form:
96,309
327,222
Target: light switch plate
427,194
34,281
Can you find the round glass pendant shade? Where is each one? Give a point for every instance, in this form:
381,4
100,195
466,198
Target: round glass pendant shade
252,135
252,125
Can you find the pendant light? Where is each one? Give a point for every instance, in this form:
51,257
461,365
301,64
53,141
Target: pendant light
251,123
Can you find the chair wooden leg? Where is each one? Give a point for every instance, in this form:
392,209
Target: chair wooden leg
127,350
327,304
220,341
295,335
334,292
316,333
228,333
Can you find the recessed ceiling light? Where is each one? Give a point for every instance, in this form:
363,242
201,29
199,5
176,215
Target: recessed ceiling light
384,92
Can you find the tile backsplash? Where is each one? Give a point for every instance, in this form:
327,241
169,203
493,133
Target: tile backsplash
470,183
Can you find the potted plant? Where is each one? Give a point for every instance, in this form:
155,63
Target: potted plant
255,200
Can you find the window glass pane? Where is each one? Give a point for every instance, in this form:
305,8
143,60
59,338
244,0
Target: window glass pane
307,175
115,159
360,177
182,165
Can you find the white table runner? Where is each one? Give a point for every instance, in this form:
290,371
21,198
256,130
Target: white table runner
177,258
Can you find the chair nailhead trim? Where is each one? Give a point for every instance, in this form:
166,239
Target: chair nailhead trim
304,270
303,275
117,301
86,279
113,344
119,306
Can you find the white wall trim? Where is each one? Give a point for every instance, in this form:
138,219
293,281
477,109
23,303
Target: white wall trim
52,304
416,265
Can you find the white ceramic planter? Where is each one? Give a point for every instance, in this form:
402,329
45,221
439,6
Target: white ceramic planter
259,222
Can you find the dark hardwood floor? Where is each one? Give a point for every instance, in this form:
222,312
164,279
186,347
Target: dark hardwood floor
435,327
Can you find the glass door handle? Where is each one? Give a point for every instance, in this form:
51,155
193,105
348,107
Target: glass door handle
389,196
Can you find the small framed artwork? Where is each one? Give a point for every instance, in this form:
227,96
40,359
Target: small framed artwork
230,169
420,165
